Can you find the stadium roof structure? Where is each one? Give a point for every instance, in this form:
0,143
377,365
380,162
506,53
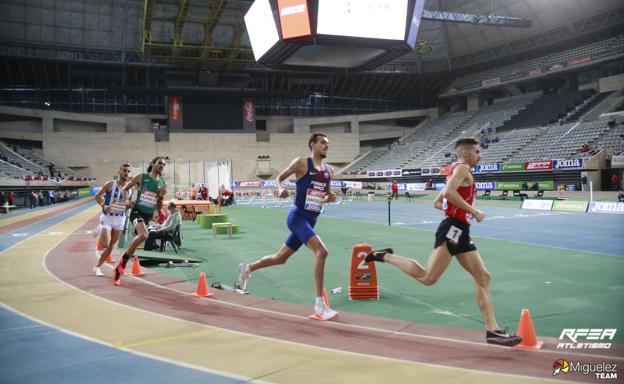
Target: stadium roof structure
210,34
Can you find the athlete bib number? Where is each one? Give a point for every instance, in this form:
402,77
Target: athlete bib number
117,208
314,200
148,199
453,234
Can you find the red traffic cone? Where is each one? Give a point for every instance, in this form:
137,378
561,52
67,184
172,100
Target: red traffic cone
527,331
202,287
325,299
100,246
136,268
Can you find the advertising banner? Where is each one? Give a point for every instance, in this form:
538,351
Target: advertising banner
555,67
415,186
542,205
493,81
386,173
606,207
512,167
525,186
175,112
568,163
509,185
579,60
482,168
243,184
535,71
617,161
411,172
353,184
538,165
249,114
430,171
570,205
486,185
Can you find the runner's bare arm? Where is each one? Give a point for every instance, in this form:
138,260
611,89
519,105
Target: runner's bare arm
296,167
134,181
331,196
437,203
99,197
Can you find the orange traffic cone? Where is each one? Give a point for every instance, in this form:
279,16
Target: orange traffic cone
325,299
527,331
202,287
110,259
100,246
136,267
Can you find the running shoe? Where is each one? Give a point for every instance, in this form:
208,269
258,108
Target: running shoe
323,312
378,255
117,275
243,275
98,271
501,337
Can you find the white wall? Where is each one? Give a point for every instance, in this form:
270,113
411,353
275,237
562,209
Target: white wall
611,83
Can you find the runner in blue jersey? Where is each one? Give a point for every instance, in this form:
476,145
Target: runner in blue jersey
110,198
313,190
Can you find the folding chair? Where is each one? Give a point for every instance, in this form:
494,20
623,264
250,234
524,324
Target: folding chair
175,240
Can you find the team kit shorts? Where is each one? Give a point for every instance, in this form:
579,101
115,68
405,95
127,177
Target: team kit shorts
137,216
115,222
301,226
456,235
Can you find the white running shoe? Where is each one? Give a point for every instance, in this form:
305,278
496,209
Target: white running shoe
243,275
324,312
98,271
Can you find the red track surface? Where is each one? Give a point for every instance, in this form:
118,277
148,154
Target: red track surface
72,260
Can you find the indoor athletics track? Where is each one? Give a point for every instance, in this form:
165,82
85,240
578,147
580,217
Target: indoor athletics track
61,324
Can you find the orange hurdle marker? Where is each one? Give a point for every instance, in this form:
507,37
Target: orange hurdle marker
363,283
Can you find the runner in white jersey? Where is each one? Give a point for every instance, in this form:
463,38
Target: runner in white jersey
113,216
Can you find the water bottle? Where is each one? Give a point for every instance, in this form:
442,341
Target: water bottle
336,291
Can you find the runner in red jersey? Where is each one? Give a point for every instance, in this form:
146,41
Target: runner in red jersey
453,239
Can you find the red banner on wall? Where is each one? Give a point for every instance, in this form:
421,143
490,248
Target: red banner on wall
538,165
579,60
175,108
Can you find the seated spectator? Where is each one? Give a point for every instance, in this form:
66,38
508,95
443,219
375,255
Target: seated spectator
585,148
228,197
168,227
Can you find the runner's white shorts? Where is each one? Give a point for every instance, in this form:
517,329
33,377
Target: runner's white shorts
112,222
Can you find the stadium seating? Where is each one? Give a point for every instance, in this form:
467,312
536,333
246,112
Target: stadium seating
588,106
596,49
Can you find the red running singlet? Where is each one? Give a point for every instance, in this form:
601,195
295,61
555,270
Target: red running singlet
467,193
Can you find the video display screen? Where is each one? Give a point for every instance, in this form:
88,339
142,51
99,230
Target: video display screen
378,19
415,23
294,18
261,27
